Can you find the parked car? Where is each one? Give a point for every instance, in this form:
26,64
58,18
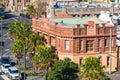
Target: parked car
4,67
5,60
13,73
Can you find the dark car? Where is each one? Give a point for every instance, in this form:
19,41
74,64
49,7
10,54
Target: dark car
5,60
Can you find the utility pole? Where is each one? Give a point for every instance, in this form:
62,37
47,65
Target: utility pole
110,51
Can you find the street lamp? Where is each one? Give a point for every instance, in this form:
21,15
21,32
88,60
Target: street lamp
110,47
110,51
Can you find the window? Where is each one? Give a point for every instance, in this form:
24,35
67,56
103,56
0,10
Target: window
99,43
13,2
67,44
58,42
90,45
112,42
100,58
19,0
80,60
105,43
27,0
108,60
19,7
81,44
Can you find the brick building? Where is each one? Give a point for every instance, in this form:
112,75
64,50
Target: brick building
78,38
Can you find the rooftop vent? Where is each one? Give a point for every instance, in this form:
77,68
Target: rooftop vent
61,22
99,52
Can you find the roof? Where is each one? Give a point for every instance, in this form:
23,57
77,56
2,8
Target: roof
13,68
75,20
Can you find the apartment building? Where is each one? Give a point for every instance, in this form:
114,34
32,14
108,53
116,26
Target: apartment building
19,5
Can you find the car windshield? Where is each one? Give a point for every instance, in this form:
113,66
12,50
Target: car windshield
14,71
7,66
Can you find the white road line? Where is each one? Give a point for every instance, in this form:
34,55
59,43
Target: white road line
5,77
15,19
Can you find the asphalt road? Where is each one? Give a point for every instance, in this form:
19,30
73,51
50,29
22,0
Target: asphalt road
8,42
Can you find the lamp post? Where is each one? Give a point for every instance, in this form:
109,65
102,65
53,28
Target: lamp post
1,39
118,57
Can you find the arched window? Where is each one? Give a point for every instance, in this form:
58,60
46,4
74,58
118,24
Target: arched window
108,61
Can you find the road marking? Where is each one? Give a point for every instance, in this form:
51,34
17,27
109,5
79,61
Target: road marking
5,77
15,19
5,34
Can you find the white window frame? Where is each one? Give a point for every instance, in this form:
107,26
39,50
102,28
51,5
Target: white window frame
67,44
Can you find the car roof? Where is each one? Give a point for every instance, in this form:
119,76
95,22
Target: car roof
13,68
4,58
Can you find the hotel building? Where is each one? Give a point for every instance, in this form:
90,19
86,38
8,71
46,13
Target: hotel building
78,38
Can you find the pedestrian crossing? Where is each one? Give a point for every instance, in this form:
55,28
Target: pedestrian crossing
3,76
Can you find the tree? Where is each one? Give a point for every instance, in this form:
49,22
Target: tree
19,30
63,70
92,69
18,49
44,58
31,11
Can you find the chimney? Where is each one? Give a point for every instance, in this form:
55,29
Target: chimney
81,15
91,23
93,15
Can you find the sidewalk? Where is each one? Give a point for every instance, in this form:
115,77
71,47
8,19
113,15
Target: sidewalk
115,75
29,77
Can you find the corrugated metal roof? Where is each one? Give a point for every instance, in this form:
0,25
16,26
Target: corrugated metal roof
73,21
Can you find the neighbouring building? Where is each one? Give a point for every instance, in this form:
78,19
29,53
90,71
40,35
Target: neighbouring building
19,5
78,38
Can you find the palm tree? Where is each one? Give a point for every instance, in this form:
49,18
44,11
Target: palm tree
18,49
92,69
31,11
34,41
44,58
19,30
12,31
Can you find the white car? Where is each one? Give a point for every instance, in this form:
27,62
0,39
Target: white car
13,73
4,67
